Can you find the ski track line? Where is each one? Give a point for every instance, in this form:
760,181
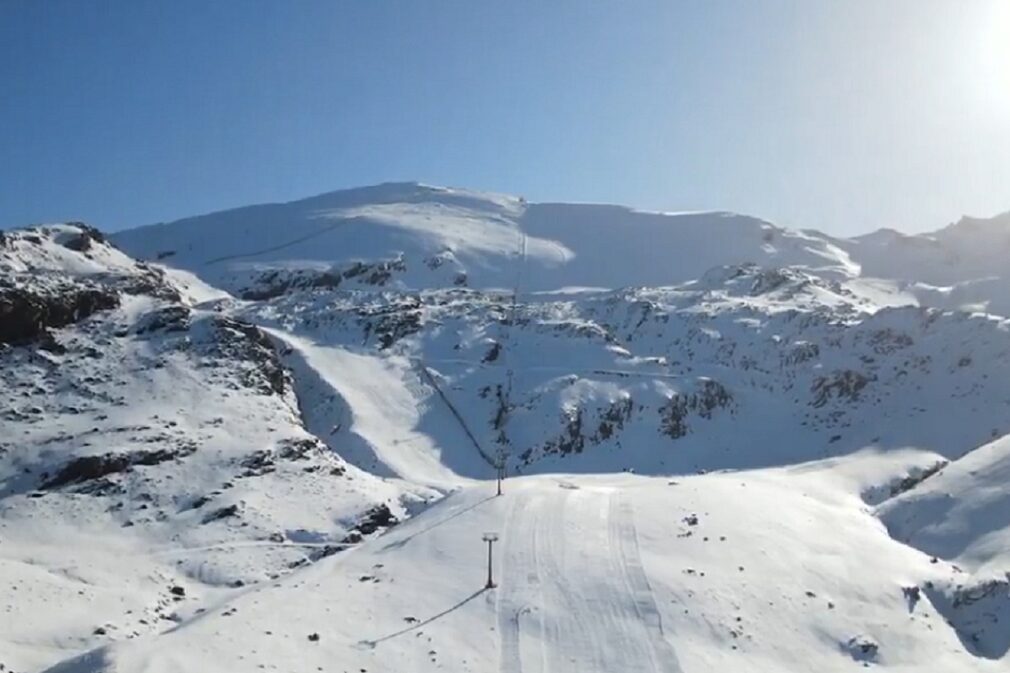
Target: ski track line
519,593
279,246
596,630
622,530
572,578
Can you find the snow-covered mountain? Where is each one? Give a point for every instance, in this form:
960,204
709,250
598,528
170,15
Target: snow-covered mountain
410,235
208,425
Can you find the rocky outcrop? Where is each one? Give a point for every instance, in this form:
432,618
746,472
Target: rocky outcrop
375,273
274,283
978,613
169,319
916,477
88,468
311,451
710,396
391,322
27,315
862,648
83,241
247,343
843,385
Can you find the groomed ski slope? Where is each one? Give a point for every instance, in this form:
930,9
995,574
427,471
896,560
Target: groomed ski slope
370,398
771,571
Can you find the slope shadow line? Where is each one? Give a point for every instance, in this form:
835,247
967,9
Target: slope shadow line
429,620
400,543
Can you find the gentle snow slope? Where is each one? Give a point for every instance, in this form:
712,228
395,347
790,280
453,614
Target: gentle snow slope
595,574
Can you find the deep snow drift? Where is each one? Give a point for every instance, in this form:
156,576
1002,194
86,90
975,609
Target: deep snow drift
276,452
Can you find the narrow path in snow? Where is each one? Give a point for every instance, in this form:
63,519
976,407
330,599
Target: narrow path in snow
574,594
519,599
622,529
279,246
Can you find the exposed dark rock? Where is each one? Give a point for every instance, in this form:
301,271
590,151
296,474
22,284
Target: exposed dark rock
917,477
710,396
199,502
613,419
886,341
243,341
391,321
87,468
82,242
170,319
571,439
842,385
378,517
375,273
221,513
275,283
862,648
264,461
912,596
801,352
492,353
319,553
150,281
258,463
25,315
301,449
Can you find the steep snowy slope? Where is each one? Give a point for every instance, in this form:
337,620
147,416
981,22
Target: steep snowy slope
422,237
963,514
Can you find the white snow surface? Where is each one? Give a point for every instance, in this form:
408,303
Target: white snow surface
440,236
594,573
730,446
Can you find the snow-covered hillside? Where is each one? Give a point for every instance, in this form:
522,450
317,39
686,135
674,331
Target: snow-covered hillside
416,236
962,265
201,452
595,574
152,453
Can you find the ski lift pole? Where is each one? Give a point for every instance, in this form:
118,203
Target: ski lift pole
490,538
500,469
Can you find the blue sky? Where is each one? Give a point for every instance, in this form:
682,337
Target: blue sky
844,116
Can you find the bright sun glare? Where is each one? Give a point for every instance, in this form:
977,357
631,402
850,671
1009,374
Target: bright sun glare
995,55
